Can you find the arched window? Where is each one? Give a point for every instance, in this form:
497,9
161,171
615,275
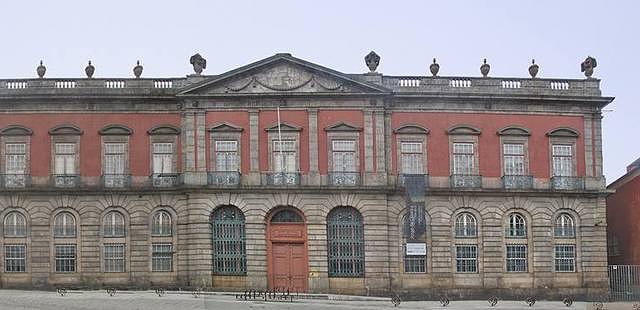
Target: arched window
466,225
161,224
564,226
229,246
15,225
517,226
113,224
64,225
345,242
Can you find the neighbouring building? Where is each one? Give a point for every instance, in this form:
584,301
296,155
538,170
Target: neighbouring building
623,213
284,173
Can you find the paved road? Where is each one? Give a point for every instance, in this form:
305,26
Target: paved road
97,300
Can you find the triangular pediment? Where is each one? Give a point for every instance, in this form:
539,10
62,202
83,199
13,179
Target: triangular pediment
283,127
342,126
225,127
281,74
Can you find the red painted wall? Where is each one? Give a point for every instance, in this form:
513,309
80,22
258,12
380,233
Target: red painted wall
489,141
327,118
235,118
294,117
623,216
90,141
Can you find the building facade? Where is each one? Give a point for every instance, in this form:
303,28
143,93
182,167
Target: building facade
623,214
287,174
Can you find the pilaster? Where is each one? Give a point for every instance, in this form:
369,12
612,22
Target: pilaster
314,174
254,148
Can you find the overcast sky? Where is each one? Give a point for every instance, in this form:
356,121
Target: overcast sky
337,34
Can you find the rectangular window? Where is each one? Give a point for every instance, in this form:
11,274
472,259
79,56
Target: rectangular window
344,155
516,258
114,158
513,159
15,158
562,160
15,258
65,159
411,158
415,263
463,159
227,156
113,257
65,256
466,258
162,158
565,258
284,156
161,257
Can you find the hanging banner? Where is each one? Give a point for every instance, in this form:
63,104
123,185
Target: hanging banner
415,223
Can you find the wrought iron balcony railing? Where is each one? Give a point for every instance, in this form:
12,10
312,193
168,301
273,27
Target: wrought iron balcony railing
116,180
340,178
165,179
65,180
517,181
283,178
465,181
406,177
223,178
567,183
15,180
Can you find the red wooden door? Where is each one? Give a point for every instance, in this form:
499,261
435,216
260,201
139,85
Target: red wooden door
289,266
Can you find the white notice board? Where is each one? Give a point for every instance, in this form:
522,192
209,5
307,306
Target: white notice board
416,248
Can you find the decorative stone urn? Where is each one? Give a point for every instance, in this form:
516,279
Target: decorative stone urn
484,69
372,60
434,68
41,70
198,63
533,69
89,70
588,65
137,70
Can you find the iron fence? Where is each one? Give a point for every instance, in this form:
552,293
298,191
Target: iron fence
624,282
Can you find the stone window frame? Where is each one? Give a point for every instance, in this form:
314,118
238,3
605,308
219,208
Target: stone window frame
15,134
66,133
115,133
527,240
403,242
347,132
18,240
464,133
359,222
515,135
411,133
224,132
238,239
75,240
125,240
567,240
288,133
476,240
164,134
172,239
564,136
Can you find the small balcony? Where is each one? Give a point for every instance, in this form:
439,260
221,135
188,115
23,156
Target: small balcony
65,180
15,180
517,182
223,178
165,179
283,178
116,180
567,183
344,178
465,181
404,178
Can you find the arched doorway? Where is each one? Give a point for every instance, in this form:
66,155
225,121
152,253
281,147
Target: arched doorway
287,256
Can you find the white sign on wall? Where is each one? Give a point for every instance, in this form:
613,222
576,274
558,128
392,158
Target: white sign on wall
416,248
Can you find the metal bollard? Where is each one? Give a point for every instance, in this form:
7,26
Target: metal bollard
395,300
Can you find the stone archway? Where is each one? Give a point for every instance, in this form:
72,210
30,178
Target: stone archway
287,253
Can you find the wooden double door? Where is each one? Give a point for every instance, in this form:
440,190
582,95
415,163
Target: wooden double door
289,266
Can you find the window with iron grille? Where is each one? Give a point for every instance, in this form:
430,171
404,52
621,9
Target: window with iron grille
161,257
564,226
411,158
516,258
513,159
466,258
227,156
229,245
113,255
113,224
15,158
414,263
162,158
65,159
344,155
15,258
565,258
345,238
161,224
65,257
15,225
463,159
284,156
465,225
64,225
562,156
517,226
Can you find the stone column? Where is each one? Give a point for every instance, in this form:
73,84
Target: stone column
314,174
254,148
